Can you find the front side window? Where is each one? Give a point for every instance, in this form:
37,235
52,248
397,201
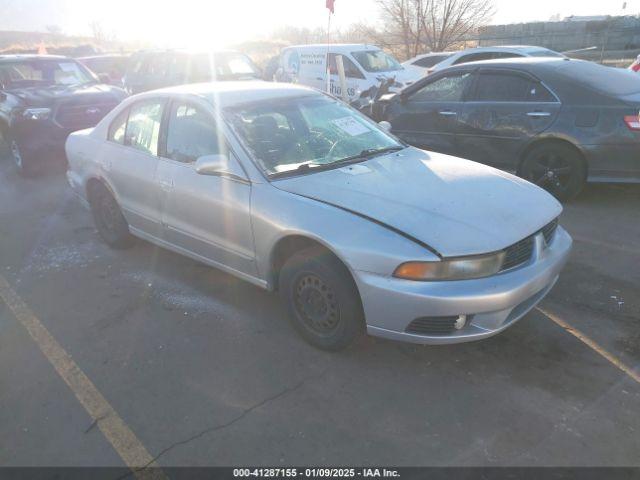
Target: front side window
143,126
311,131
449,88
350,69
376,61
505,87
191,133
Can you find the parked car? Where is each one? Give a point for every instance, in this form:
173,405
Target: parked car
635,66
294,191
43,98
421,64
365,66
108,68
489,53
149,70
555,122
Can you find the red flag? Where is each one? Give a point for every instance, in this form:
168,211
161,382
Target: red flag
329,5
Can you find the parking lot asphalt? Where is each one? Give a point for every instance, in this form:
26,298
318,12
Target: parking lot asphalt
205,369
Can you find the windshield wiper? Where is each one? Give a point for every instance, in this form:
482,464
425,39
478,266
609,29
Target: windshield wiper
365,154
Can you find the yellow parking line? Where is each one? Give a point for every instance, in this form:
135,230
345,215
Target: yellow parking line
123,440
591,344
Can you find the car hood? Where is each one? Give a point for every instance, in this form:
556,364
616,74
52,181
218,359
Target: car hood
455,206
81,94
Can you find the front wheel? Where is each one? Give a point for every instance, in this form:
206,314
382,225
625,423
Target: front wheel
322,299
557,168
109,220
24,163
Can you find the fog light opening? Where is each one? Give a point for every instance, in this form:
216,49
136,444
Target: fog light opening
461,321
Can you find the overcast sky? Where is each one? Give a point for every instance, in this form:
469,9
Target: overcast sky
187,22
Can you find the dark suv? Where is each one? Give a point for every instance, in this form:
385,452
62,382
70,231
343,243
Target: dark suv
43,98
149,70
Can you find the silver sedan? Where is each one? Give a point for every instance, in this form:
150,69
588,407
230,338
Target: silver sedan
292,190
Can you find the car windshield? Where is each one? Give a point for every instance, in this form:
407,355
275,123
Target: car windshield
31,73
376,61
304,133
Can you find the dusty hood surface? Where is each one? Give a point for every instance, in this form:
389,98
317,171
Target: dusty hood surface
456,206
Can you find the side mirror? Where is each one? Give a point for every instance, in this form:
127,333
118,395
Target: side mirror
104,78
386,126
219,165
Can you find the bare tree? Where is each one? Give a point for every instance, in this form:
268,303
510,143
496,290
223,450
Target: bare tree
414,26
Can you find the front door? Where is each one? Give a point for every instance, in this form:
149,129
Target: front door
504,112
428,117
205,215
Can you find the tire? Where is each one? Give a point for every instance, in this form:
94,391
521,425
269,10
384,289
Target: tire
108,218
25,164
556,167
322,299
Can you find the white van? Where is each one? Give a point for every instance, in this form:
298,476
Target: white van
365,66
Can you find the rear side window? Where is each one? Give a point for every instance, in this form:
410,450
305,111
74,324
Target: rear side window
427,62
506,87
118,127
449,88
191,133
474,57
143,126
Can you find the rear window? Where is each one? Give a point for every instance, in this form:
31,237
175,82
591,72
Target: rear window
543,52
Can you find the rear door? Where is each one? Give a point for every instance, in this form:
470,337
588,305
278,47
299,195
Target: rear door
505,111
205,215
131,161
428,117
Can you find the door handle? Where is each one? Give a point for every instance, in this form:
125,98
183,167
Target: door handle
447,113
538,114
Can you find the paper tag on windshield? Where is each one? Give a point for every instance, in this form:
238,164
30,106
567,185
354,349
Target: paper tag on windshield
351,126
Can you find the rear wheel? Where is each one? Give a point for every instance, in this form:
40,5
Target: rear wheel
322,299
557,168
109,220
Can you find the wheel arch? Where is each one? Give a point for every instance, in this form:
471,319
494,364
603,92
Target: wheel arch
93,181
293,243
550,141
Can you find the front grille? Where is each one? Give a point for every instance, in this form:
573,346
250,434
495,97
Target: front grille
549,230
518,253
432,325
521,252
82,116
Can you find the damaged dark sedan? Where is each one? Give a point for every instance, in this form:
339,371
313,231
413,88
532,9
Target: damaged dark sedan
556,122
43,98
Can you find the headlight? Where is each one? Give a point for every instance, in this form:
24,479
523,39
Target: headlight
36,113
453,269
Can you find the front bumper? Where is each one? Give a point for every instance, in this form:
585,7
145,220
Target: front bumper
492,303
41,140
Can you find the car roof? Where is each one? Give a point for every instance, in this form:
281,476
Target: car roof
233,93
185,51
31,56
571,78
336,47
104,55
